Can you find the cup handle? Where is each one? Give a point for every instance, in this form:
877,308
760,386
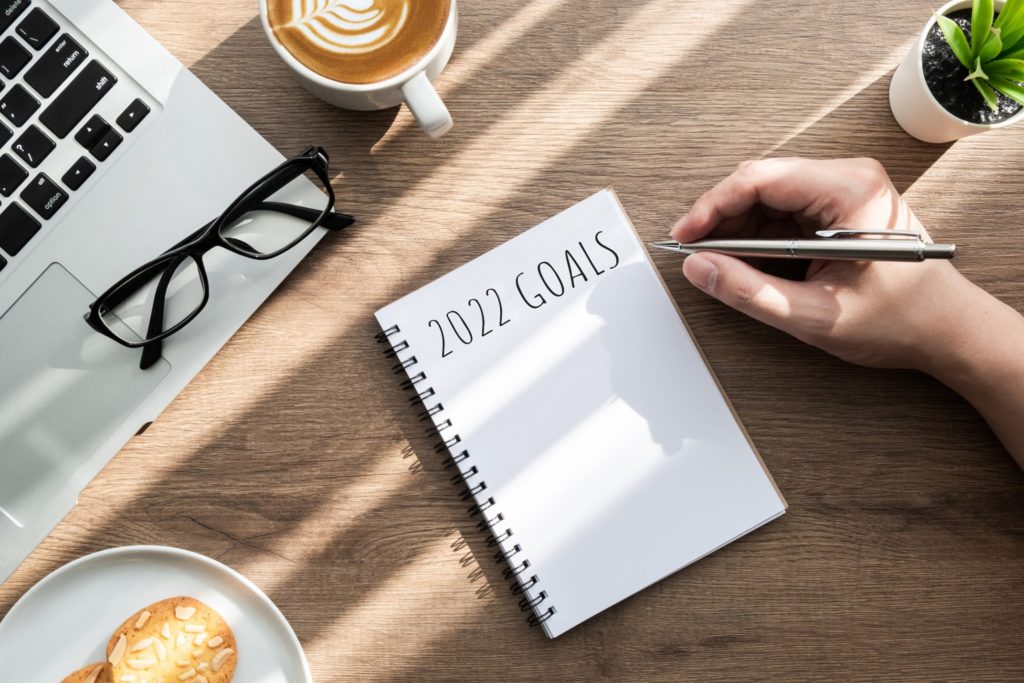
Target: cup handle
425,104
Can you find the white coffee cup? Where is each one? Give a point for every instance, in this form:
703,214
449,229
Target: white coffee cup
413,86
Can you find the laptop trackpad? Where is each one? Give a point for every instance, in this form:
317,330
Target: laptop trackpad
64,389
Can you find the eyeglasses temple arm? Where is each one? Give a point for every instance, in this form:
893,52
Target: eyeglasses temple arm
332,220
151,352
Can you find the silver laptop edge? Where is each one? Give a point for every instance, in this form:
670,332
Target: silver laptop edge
187,160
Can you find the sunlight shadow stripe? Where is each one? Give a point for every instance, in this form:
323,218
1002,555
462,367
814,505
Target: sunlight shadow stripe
473,59
865,80
334,517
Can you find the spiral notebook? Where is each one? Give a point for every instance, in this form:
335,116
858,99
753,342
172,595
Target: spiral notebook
596,445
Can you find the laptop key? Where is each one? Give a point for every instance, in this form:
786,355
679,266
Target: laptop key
17,227
11,175
56,65
5,134
3,262
44,196
94,129
33,146
10,10
37,29
131,117
13,57
107,144
18,106
78,99
78,173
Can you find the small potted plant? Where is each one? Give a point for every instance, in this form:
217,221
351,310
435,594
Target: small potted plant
963,76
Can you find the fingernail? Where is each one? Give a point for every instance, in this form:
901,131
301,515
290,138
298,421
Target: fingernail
701,272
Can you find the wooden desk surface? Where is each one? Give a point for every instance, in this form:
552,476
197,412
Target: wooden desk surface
290,459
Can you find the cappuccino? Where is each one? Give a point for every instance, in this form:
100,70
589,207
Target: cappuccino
358,41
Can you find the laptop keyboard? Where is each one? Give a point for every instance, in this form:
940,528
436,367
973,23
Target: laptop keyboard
63,84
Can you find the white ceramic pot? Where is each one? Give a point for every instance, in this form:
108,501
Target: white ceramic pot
913,104
412,86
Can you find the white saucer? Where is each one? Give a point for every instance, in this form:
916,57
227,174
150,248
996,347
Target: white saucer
64,621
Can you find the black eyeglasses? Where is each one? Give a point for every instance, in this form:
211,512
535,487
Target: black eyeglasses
159,298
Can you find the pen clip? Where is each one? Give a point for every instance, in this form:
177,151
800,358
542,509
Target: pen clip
843,232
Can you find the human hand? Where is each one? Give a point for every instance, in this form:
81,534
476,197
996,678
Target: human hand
866,312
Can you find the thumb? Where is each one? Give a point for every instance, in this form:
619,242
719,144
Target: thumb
797,308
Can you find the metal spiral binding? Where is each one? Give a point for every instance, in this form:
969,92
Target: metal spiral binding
468,475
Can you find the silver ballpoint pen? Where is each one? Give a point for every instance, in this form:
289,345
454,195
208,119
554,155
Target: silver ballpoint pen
840,244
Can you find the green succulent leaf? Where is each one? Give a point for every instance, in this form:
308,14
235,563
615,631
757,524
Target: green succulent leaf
988,93
1011,14
1007,69
982,13
1012,33
993,46
1017,53
978,72
1015,91
956,39
1011,21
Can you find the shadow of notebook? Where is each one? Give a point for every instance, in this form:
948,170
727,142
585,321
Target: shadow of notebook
588,427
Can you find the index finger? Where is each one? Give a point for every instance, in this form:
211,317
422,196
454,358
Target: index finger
792,185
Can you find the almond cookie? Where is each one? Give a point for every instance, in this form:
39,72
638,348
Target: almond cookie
174,641
93,673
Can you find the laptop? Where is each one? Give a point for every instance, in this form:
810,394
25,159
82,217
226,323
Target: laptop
111,152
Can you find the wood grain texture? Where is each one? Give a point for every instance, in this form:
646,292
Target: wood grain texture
292,459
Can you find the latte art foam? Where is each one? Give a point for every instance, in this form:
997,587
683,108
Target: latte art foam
350,26
358,41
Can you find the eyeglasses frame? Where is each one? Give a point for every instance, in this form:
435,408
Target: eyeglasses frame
196,245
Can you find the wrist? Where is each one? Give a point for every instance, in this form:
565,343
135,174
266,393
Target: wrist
984,364
978,344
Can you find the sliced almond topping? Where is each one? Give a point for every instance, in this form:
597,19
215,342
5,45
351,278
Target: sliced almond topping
202,666
215,641
183,662
141,645
200,638
141,663
197,653
94,674
201,679
180,642
141,621
161,651
220,658
165,630
194,628
128,678
185,675
184,613
118,652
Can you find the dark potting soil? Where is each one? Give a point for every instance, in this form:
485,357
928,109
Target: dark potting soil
945,76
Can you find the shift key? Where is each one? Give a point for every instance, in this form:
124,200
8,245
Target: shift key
78,99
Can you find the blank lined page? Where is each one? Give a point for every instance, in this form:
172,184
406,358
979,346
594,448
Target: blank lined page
571,382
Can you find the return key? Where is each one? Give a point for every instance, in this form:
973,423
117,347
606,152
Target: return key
54,67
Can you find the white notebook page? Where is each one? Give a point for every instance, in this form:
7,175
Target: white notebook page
587,410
